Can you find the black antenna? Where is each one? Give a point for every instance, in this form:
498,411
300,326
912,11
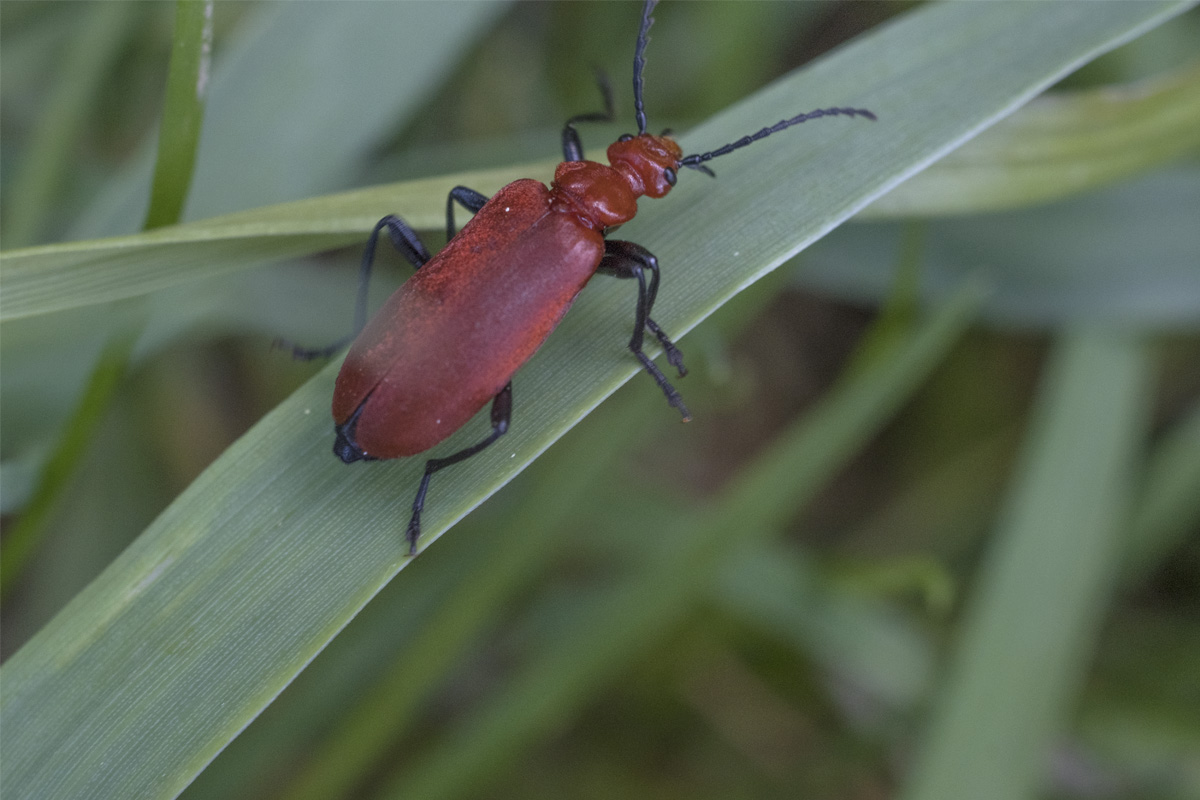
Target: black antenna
694,161
639,64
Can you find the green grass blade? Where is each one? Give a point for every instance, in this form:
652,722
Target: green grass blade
1029,630
1059,145
183,111
40,280
1168,505
154,667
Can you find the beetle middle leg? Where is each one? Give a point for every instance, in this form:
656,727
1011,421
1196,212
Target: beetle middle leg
407,243
501,414
629,260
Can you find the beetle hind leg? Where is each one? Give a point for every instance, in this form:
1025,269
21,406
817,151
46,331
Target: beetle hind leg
673,354
501,414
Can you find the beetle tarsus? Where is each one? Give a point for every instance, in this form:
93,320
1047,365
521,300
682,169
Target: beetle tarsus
674,355
673,396
310,353
414,524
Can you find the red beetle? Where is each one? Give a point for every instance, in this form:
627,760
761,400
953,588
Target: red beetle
451,338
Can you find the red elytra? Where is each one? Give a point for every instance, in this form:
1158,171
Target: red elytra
452,336
450,339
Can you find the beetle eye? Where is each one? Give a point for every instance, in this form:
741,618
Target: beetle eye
669,175
625,137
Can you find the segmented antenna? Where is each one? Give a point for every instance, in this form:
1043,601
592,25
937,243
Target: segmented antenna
694,161
639,64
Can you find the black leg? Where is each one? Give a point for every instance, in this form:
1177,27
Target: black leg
407,243
469,199
674,357
572,146
629,260
501,414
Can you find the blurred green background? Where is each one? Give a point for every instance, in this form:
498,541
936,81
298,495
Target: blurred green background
844,653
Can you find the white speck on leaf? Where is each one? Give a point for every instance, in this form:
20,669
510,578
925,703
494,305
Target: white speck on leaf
206,40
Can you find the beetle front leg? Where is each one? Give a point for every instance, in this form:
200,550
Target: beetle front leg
572,146
501,414
629,260
407,243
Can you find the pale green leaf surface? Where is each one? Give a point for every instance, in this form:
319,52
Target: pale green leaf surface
1031,625
1060,144
1126,254
50,278
150,671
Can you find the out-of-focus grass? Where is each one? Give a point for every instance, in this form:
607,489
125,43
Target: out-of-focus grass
810,664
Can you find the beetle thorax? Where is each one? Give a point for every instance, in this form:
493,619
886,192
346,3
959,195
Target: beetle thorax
603,196
600,196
